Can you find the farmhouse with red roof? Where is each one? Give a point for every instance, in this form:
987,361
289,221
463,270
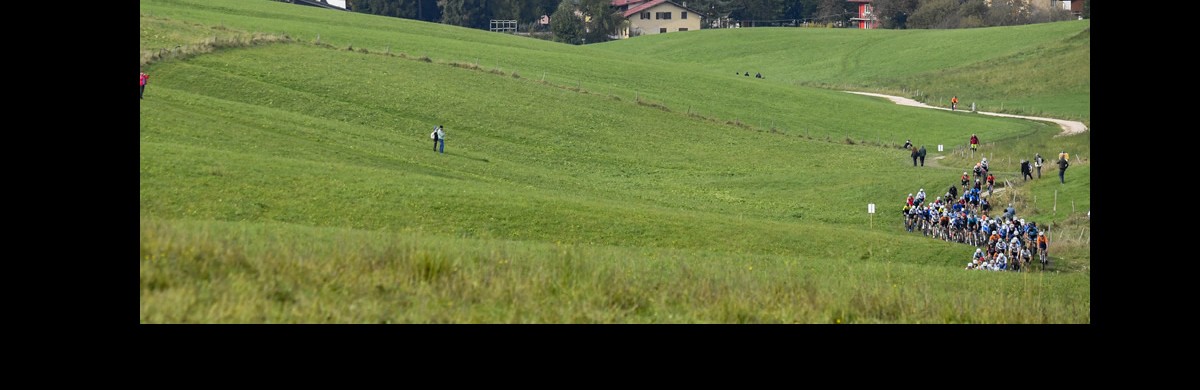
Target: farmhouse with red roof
656,17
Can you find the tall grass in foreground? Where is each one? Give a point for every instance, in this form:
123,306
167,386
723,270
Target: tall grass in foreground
276,273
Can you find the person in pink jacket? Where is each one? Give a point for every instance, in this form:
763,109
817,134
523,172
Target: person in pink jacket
144,78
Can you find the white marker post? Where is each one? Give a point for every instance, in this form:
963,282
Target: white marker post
871,210
939,147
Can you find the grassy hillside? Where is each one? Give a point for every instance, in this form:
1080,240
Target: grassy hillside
688,88
294,182
1040,69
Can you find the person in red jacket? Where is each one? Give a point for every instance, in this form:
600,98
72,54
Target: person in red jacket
144,78
974,143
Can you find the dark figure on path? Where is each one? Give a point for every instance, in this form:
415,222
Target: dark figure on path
758,75
922,152
1062,169
952,192
1026,170
915,154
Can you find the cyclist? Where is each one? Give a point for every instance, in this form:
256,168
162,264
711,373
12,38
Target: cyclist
1042,242
912,217
944,224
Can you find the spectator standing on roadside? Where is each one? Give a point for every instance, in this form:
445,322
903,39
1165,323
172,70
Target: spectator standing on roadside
144,78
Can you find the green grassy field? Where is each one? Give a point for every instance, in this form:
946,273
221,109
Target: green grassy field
294,182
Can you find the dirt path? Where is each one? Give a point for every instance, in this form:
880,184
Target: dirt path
1069,127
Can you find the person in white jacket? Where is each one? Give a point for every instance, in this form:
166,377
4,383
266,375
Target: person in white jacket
441,138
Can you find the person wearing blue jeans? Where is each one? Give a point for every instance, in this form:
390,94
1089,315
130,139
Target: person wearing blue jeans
1062,169
441,139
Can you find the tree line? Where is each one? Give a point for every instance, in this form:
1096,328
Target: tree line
945,14
600,20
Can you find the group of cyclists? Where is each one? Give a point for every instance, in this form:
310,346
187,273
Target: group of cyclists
1002,243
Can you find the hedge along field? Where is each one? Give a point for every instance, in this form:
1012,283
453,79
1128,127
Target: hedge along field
287,152
1037,69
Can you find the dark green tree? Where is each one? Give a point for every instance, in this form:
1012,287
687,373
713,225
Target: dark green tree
972,14
894,13
426,10
712,10
503,9
566,26
603,20
531,10
793,9
757,9
936,14
465,13
833,11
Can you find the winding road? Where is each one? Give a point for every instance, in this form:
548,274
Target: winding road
1069,127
